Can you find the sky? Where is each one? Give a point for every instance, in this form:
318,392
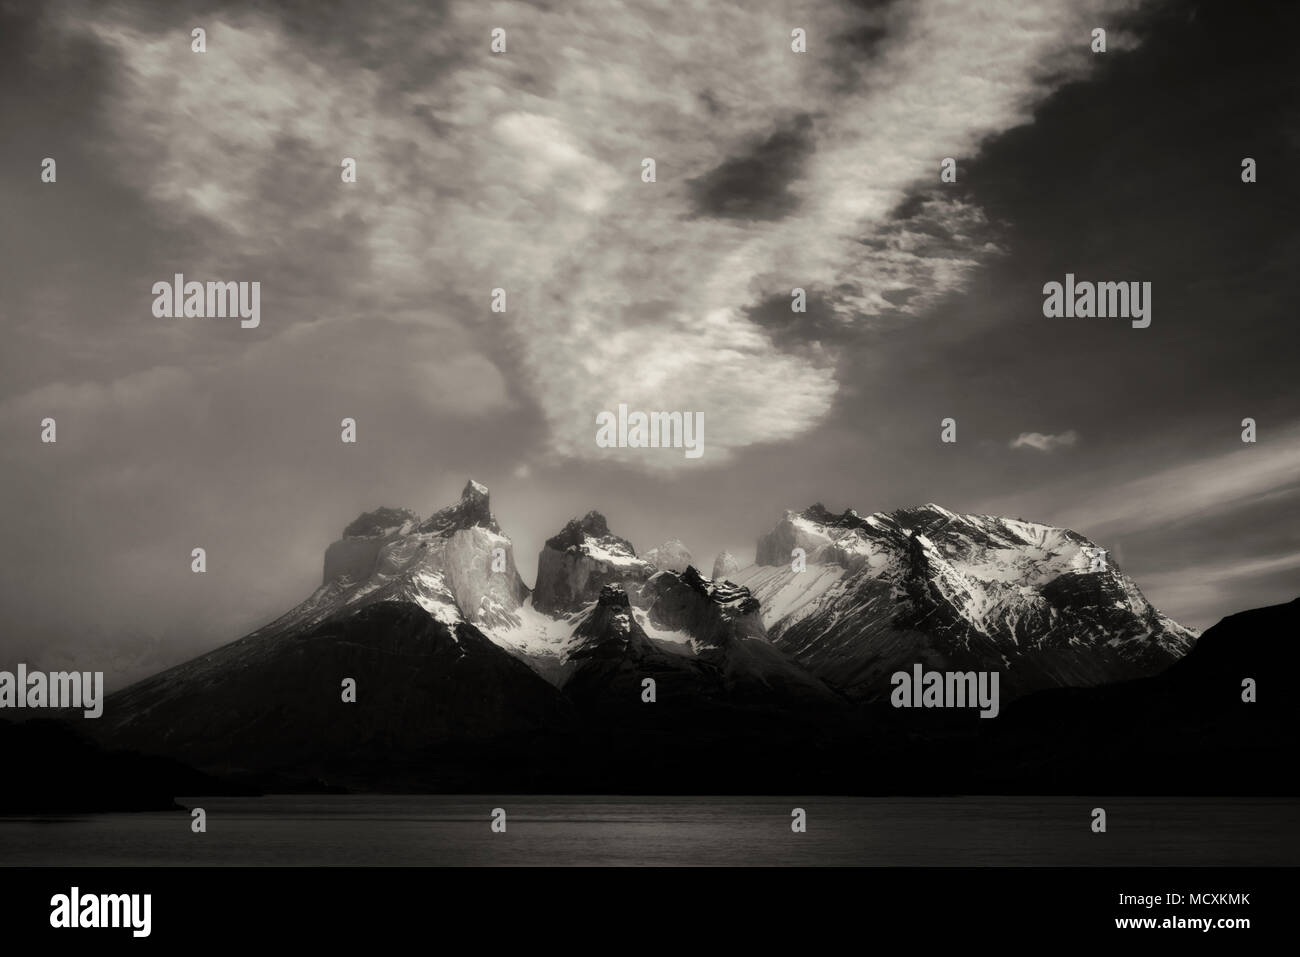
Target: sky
523,171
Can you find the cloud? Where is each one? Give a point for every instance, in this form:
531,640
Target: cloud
1193,489
1045,443
1197,488
1202,591
129,394
1210,532
522,171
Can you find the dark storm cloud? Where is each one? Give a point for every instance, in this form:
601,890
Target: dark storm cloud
755,185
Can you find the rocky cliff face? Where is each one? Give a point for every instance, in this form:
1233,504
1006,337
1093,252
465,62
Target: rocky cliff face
826,538
459,667
713,614
472,509
876,594
721,625
612,656
456,565
1042,605
577,563
354,555
609,631
709,652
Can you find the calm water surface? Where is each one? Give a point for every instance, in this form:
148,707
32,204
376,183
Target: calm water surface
585,830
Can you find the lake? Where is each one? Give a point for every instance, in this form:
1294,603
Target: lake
419,830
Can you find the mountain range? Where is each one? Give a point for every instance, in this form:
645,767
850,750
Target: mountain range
620,670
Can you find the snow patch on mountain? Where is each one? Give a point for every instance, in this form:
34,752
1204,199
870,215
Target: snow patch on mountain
1042,603
576,564
669,639
541,641
456,565
786,598
1046,600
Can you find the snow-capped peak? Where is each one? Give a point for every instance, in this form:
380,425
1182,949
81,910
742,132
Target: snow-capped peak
457,565
578,561
977,581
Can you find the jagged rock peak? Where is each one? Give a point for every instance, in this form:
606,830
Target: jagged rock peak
577,530
577,562
382,521
932,511
718,592
691,576
820,514
446,564
614,595
593,523
472,509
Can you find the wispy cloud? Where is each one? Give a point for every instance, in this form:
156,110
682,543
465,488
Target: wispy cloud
1041,442
522,171
1197,487
1202,591
1193,489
